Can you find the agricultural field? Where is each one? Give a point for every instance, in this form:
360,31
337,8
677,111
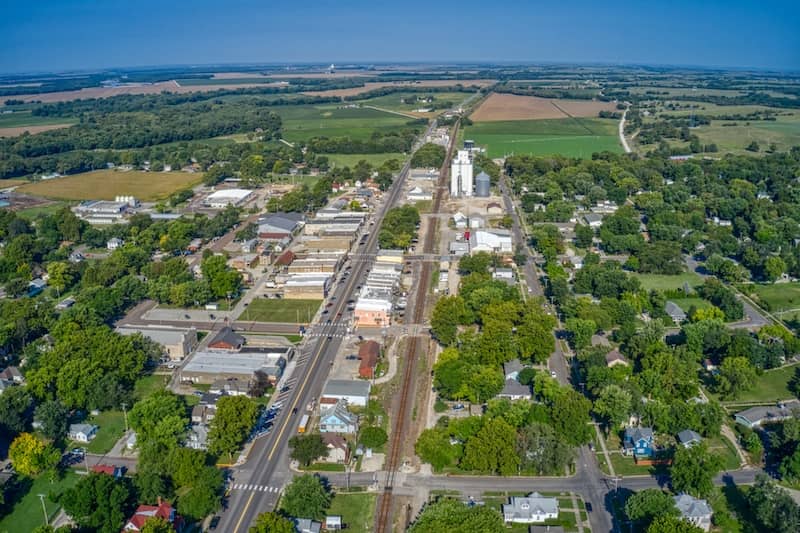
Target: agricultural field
371,86
574,137
406,102
13,124
290,311
513,107
301,123
106,184
349,160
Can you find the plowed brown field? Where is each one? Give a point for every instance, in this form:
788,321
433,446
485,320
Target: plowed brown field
514,107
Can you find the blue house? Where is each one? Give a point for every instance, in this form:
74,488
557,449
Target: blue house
36,287
638,441
337,419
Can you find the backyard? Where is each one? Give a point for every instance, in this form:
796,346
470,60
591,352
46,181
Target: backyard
356,509
26,512
663,282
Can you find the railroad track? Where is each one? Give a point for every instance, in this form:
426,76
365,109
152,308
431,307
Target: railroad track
401,419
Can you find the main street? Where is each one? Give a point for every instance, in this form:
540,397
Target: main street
256,484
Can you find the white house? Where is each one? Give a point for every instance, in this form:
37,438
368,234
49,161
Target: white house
82,432
534,508
696,512
114,243
353,392
336,418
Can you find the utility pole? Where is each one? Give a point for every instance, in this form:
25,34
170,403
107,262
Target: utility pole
125,414
85,460
44,510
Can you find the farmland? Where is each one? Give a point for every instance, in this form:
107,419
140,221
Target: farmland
13,124
407,101
512,107
371,86
571,137
106,184
301,123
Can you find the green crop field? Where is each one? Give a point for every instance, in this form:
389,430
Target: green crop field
300,123
106,184
292,311
24,118
25,510
393,101
349,160
571,137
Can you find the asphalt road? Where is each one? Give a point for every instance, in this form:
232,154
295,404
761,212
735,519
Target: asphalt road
256,485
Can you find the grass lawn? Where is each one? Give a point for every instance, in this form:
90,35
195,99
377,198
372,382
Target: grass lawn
350,160
687,303
575,137
111,426
106,184
773,297
357,511
724,447
770,386
664,282
147,385
293,311
26,512
25,118
34,212
303,122
325,467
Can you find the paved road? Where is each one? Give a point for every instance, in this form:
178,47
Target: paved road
257,483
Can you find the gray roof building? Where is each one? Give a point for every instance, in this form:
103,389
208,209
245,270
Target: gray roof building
511,369
307,525
355,392
689,437
694,510
226,339
755,416
677,314
530,509
514,390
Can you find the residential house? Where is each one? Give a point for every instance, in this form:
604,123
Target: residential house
614,358
514,390
114,242
338,452
226,339
333,523
674,311
638,441
197,438
82,432
689,437
36,286
368,354
203,414
756,416
66,303
593,220
12,374
511,369
353,392
695,511
110,470
533,508
336,418
145,512
76,257
307,525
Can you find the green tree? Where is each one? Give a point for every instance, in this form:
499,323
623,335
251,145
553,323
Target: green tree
493,449
433,446
580,332
306,449
156,524
649,504
160,417
60,274
583,235
98,502
790,467
672,524
373,437
54,419
570,414
774,267
231,425
736,375
15,407
447,515
613,405
773,507
693,470
542,451
448,313
203,496
271,522
306,496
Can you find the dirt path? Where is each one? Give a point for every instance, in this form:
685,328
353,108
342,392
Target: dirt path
602,442
728,433
622,132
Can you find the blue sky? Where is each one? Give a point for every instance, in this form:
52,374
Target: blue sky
46,35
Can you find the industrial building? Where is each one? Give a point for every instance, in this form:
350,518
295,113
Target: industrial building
102,212
177,343
494,241
307,286
461,174
483,185
209,366
223,198
277,226
353,392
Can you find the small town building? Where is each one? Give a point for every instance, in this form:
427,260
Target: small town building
674,311
593,220
248,367
227,339
307,525
225,197
530,509
353,392
511,369
144,513
82,432
368,354
338,451
514,390
638,442
110,470
688,438
177,343
114,243
277,226
614,358
336,418
695,511
756,416
333,523
492,241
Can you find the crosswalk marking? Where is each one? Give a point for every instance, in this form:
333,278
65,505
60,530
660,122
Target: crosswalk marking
255,488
